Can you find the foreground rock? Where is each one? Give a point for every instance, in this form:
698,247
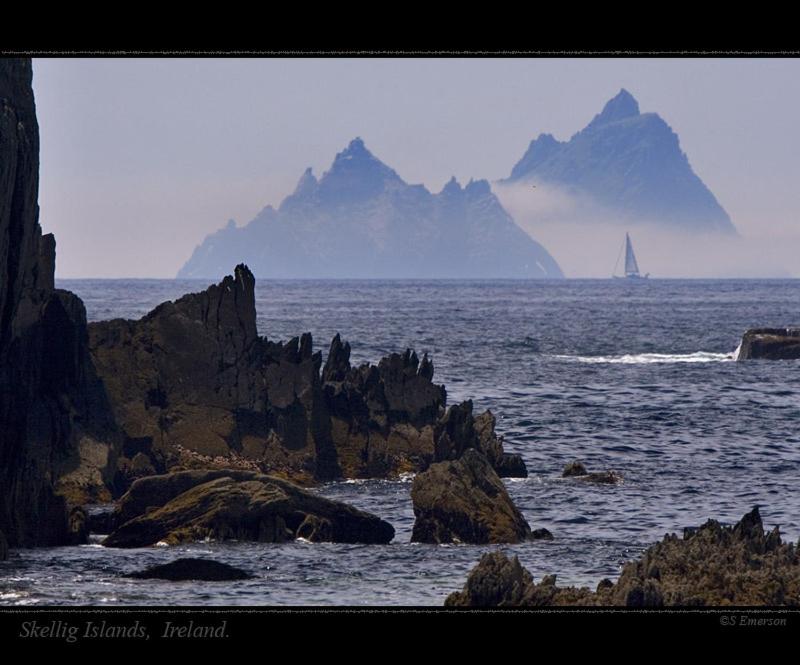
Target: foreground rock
193,385
52,408
770,344
577,470
712,565
192,569
464,501
241,505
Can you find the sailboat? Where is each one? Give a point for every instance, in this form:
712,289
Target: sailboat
631,266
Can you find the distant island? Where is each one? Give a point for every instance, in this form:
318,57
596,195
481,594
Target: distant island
362,220
626,167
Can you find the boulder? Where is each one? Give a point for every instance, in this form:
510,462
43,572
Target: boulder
712,565
191,569
242,505
464,501
770,344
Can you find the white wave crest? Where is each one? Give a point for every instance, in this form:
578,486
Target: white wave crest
653,358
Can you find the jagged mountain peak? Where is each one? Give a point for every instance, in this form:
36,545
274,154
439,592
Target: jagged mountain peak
620,107
356,174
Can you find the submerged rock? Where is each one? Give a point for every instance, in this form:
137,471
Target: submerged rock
711,565
464,501
770,344
577,470
241,505
192,569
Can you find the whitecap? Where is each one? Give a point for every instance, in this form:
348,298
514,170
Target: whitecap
653,358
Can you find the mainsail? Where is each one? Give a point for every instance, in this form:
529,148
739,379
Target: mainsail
631,267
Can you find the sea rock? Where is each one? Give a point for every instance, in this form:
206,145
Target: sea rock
3,547
458,430
233,504
577,470
464,501
713,565
50,400
770,344
192,569
541,534
496,581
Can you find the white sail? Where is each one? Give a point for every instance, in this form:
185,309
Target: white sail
631,267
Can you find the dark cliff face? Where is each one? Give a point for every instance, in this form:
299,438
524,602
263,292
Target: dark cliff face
46,381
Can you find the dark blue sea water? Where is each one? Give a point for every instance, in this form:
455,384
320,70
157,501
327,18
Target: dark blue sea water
633,377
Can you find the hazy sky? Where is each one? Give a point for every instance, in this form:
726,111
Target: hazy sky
141,158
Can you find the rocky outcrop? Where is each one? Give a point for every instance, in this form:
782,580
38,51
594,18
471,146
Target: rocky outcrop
242,505
578,471
192,385
458,430
464,501
52,407
382,417
712,565
192,569
770,344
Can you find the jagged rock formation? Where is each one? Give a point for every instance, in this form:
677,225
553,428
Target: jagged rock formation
464,501
192,382
360,219
770,344
631,165
192,385
242,505
711,565
53,409
192,569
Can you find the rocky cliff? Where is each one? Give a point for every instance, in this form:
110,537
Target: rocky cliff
52,406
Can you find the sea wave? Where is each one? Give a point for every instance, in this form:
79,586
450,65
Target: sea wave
653,358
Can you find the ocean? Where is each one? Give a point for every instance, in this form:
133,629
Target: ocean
636,377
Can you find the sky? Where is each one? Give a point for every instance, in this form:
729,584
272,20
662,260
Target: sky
142,158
